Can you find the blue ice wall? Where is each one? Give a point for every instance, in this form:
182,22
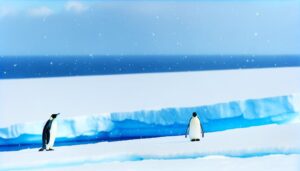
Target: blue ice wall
154,123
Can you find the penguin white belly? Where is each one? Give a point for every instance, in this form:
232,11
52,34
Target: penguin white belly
53,131
194,132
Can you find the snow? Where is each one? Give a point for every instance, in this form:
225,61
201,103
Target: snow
274,163
275,147
262,106
27,100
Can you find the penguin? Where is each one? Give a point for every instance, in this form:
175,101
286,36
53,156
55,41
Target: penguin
194,128
49,133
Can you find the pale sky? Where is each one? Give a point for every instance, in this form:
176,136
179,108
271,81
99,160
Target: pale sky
149,27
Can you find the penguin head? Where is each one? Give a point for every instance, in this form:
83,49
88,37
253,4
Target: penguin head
54,115
194,114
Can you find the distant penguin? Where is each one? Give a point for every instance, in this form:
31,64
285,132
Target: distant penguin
49,133
194,128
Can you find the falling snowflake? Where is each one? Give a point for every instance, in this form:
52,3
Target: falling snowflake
178,44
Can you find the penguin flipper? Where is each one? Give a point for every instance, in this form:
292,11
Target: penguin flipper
46,133
202,131
47,136
188,129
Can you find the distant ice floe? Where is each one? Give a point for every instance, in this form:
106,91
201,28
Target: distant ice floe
155,123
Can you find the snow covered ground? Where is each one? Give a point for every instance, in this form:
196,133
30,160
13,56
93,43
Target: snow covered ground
275,147
273,162
249,94
27,100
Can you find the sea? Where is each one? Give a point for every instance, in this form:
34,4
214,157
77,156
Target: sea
22,67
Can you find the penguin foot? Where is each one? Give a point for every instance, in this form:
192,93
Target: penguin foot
195,140
50,149
42,149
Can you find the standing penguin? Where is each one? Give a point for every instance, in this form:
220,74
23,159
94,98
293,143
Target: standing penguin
49,133
194,128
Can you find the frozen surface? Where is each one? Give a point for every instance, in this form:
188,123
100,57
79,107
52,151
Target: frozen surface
28,100
155,123
272,162
275,147
147,105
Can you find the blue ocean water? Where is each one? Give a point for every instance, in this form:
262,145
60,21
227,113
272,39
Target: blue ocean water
13,67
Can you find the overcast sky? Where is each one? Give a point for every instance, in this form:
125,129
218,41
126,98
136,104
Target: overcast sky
149,27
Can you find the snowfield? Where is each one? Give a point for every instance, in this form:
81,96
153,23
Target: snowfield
27,100
274,163
275,147
251,119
